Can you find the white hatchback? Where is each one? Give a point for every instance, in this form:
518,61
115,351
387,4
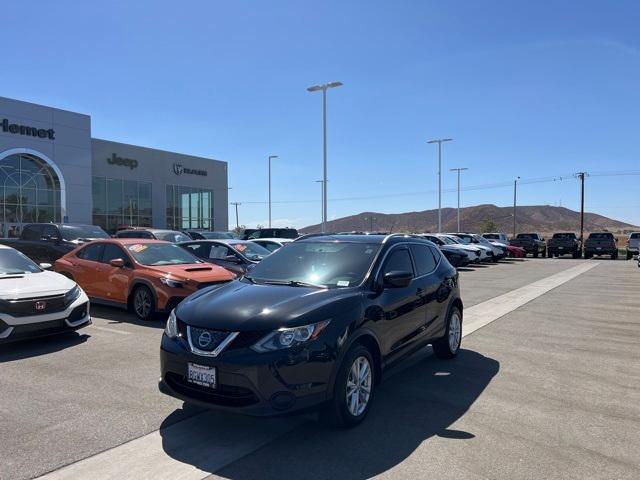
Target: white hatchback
35,302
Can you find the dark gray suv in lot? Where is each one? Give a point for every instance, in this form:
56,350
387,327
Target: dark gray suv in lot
313,326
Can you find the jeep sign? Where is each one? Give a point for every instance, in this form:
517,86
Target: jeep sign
124,162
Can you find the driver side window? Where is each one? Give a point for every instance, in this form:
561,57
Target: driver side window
398,260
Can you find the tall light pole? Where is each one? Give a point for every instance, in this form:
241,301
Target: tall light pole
321,182
458,170
270,157
439,142
315,88
515,193
581,176
237,221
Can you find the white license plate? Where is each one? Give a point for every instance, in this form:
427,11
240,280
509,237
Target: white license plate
202,375
560,248
598,248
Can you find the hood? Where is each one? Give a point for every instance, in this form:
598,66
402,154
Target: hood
34,285
196,272
240,306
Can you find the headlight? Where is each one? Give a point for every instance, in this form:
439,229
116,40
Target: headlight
289,337
72,295
170,282
171,330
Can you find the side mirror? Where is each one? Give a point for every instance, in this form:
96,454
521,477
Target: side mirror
45,266
117,262
397,279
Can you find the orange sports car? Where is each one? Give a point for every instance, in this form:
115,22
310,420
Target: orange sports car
146,276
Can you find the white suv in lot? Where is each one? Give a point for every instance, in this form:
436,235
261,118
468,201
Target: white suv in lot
633,245
35,302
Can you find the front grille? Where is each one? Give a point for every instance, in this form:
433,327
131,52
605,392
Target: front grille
33,306
205,341
224,395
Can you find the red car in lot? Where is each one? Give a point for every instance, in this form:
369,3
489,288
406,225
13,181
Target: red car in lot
146,276
515,252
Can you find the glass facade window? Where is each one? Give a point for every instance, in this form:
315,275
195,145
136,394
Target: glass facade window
29,192
189,207
121,203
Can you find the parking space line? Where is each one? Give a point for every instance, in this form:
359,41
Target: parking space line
110,330
195,448
189,450
484,313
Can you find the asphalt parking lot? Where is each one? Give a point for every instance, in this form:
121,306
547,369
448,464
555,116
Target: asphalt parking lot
551,389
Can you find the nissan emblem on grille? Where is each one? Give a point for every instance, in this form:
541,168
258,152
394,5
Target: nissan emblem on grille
204,339
40,305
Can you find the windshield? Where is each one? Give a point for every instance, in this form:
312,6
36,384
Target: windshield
433,239
155,254
464,239
571,236
447,240
13,262
171,236
251,250
329,264
79,232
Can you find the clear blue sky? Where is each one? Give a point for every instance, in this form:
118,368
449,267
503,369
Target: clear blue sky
535,89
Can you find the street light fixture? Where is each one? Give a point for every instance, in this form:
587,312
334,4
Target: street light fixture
316,88
458,170
270,157
439,141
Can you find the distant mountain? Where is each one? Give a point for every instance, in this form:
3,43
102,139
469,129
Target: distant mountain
535,218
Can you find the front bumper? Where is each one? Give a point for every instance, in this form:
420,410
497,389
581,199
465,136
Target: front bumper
259,384
75,316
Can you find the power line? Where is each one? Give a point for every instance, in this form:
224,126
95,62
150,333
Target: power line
485,186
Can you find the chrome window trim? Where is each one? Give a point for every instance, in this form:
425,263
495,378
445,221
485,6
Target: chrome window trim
218,350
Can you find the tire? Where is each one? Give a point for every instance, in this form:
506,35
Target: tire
143,303
587,255
448,346
576,254
535,253
614,256
629,255
341,412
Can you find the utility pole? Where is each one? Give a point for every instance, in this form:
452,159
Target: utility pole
321,182
323,88
458,170
515,194
270,158
439,142
581,176
236,205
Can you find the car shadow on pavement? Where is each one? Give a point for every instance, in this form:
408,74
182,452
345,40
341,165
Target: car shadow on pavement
35,347
116,315
414,404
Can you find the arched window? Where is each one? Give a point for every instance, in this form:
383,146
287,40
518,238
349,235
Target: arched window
29,190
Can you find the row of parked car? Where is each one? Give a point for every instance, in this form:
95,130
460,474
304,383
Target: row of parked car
312,324
568,243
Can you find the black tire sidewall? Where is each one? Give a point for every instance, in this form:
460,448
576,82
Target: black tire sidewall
338,407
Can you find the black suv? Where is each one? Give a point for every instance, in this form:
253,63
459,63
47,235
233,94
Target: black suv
313,325
253,233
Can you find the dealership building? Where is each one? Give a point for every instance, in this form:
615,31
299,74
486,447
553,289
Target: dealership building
52,170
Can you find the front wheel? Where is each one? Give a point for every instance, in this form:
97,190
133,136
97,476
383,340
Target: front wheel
629,255
143,303
535,253
353,390
448,346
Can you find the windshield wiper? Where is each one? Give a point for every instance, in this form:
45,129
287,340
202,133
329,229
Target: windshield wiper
294,283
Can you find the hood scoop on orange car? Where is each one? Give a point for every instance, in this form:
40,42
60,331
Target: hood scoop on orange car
197,269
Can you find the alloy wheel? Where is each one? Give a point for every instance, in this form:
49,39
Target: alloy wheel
359,386
455,332
142,303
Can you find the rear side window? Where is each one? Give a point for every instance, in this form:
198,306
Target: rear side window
32,232
399,261
564,235
92,253
423,258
